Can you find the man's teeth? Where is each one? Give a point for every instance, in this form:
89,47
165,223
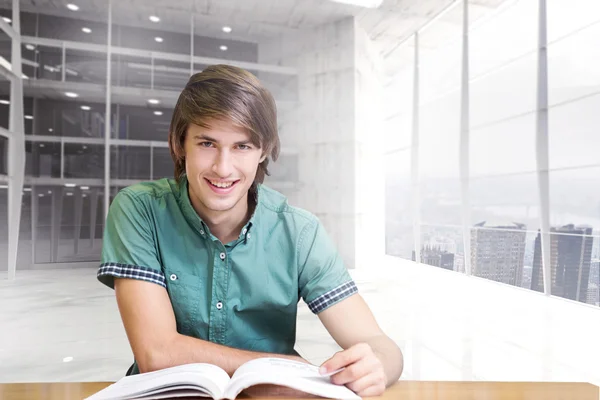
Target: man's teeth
222,184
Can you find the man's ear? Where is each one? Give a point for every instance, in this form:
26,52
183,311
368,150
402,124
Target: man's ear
264,156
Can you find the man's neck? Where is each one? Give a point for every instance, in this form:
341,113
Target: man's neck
226,225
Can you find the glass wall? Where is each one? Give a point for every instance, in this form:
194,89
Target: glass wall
65,64
504,214
3,232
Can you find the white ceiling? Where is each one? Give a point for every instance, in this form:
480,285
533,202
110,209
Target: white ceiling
256,20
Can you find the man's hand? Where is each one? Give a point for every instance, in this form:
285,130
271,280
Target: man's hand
363,373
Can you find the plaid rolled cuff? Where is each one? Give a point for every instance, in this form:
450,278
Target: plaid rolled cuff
107,271
333,296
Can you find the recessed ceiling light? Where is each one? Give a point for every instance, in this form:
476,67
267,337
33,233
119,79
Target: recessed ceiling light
361,3
86,108
29,117
223,48
154,18
86,30
73,7
41,195
227,29
67,359
69,193
158,39
153,101
42,145
85,187
84,147
70,184
3,186
7,20
27,189
5,102
30,47
50,130
49,191
158,113
71,95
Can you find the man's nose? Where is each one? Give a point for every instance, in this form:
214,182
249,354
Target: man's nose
223,164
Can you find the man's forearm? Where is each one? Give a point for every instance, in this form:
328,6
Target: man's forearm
181,349
390,356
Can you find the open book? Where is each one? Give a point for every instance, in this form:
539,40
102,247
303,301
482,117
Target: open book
207,380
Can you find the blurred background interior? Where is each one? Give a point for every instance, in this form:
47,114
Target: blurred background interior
451,148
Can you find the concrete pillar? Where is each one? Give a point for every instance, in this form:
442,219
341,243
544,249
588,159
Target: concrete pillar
336,127
16,146
78,213
34,222
56,219
93,214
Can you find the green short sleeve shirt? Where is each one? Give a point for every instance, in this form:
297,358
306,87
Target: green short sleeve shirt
242,294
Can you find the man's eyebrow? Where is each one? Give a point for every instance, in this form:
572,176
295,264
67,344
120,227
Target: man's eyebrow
205,137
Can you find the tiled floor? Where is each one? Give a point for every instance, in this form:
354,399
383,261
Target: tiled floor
63,325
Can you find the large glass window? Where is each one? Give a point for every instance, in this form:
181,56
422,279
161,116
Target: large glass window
574,145
3,155
505,218
67,224
3,232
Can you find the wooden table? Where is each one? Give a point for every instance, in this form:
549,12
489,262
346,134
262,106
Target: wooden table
403,390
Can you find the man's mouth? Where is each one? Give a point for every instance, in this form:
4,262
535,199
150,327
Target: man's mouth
221,184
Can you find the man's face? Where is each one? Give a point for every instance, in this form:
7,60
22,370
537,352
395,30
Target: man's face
221,164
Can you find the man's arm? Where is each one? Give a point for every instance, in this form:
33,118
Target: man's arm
372,360
150,325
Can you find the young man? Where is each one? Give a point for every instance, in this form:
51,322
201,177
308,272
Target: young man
209,266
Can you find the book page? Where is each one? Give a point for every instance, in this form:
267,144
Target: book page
269,365
293,374
209,378
169,392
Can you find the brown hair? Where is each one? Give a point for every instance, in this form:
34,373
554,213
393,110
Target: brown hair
228,93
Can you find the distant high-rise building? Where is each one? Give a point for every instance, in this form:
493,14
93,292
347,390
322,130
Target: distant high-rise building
595,272
497,252
436,257
593,297
527,270
442,243
459,263
571,254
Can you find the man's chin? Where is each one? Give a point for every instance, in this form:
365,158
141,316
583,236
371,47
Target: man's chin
220,204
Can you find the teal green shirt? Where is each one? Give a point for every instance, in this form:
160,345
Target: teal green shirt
242,294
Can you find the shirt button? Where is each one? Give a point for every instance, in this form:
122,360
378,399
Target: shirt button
202,232
248,236
219,305
244,231
222,255
173,277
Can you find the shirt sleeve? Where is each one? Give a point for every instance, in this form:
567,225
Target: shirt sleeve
323,278
128,247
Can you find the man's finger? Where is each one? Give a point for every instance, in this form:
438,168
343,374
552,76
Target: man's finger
372,391
363,383
343,358
352,373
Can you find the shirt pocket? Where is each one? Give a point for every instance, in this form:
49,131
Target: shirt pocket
185,291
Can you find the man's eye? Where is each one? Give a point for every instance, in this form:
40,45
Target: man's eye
243,147
205,144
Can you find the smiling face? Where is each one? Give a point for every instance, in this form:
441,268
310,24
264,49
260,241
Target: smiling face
221,163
